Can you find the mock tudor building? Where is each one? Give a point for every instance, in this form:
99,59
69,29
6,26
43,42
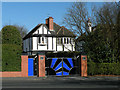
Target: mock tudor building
48,37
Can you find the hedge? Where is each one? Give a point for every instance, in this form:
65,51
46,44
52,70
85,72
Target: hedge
11,57
103,68
11,35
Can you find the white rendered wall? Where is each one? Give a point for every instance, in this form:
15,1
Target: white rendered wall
35,43
54,43
49,43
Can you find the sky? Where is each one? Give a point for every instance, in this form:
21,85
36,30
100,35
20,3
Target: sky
29,14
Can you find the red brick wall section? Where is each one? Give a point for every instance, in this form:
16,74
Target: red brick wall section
22,73
41,66
11,74
83,66
24,65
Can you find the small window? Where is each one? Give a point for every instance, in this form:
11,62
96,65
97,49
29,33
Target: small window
45,39
57,40
67,40
61,41
42,39
39,40
64,40
70,40
38,31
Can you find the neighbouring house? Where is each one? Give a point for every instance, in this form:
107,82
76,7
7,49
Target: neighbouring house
80,41
48,37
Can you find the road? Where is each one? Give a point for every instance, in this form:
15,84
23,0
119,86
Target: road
60,82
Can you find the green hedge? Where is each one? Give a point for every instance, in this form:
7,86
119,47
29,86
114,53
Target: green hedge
103,68
11,35
11,57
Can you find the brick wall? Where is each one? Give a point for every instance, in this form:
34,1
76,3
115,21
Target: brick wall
41,65
83,66
22,73
11,74
24,66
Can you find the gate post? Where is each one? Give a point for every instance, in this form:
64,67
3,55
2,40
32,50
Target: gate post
41,64
83,65
24,65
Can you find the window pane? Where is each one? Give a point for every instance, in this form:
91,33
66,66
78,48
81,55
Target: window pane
64,40
70,40
39,40
67,40
42,39
61,41
45,39
57,40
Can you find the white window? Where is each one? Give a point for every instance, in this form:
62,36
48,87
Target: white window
42,40
59,40
64,40
68,41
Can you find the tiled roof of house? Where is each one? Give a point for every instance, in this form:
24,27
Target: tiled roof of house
62,31
58,31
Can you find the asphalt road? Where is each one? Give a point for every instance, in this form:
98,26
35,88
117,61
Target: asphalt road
61,82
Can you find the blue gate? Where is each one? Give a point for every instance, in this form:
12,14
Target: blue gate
30,67
61,66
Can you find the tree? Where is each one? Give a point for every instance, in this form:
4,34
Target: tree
23,31
76,18
105,19
107,16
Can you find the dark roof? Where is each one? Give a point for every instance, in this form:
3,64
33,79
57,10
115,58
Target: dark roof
58,31
62,31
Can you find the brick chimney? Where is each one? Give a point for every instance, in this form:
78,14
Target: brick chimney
49,23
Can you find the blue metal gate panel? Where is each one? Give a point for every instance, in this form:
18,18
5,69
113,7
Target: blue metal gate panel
59,74
59,66
53,62
66,66
65,73
30,66
70,61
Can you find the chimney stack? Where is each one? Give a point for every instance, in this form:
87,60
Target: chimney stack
49,23
89,24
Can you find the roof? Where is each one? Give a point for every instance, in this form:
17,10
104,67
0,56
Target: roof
62,31
58,31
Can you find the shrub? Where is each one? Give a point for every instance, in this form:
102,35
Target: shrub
11,57
11,35
103,68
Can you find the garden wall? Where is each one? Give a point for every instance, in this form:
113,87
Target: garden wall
22,73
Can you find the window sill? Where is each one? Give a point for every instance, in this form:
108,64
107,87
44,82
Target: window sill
42,44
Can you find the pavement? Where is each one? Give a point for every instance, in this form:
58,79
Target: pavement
61,82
